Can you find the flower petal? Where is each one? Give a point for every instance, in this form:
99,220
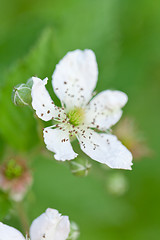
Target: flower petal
9,233
105,109
57,141
105,148
49,226
62,229
75,78
42,102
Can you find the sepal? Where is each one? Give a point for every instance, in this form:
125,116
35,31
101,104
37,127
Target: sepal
74,231
80,166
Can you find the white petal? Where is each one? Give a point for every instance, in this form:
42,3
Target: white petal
9,233
105,148
75,77
105,109
62,229
41,100
57,141
49,226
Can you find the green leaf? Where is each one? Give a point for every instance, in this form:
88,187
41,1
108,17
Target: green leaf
5,205
2,147
17,125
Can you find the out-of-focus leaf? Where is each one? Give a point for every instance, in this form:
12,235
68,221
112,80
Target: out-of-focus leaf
5,205
17,125
2,146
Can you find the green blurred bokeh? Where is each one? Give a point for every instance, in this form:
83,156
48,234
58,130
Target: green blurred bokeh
125,35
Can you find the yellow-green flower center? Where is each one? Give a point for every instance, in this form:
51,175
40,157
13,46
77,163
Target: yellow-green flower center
13,170
76,116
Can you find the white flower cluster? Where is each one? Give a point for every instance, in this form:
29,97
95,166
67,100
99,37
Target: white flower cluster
48,226
74,80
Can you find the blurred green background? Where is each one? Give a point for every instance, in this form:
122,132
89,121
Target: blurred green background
125,35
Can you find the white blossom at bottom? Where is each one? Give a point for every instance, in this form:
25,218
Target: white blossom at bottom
50,225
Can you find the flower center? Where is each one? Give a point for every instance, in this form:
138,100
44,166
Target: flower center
13,170
76,116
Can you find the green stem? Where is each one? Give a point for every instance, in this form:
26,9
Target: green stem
22,216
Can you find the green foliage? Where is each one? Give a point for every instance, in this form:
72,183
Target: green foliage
18,126
2,147
5,205
125,37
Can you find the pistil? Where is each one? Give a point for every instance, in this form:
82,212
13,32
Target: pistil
76,116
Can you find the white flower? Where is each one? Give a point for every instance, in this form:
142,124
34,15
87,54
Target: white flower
74,80
48,226
9,233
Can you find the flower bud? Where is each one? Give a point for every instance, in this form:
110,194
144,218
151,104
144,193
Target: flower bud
74,231
130,135
80,166
21,94
117,184
15,178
